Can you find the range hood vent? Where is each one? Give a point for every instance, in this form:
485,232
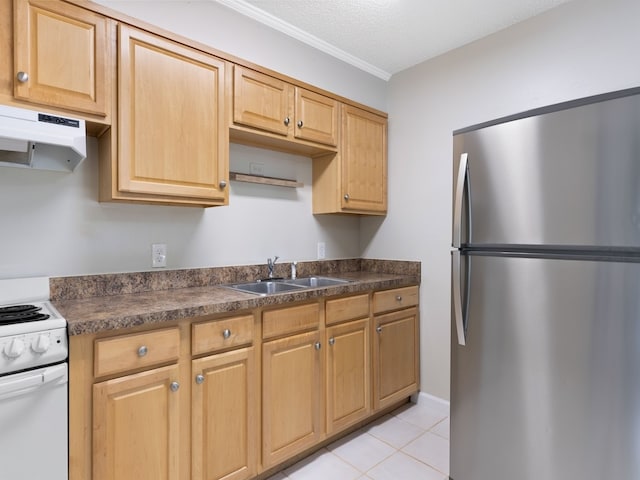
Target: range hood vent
31,139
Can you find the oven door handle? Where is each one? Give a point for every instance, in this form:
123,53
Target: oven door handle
26,384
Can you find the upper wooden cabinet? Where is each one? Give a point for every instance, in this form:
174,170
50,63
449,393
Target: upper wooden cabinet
279,108
355,179
61,56
172,141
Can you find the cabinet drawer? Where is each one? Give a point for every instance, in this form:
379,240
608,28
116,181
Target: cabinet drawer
290,320
221,334
128,352
348,308
395,299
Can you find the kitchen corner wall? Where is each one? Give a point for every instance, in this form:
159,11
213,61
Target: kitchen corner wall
53,225
581,48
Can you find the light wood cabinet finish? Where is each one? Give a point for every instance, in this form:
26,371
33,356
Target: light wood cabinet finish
66,52
130,352
348,372
284,321
347,308
261,101
224,416
395,356
292,400
222,334
397,298
316,117
172,144
272,390
136,427
274,106
355,179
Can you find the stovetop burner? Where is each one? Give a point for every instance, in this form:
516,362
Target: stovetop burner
21,314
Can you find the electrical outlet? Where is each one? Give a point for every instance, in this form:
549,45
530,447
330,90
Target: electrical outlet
256,168
159,255
321,251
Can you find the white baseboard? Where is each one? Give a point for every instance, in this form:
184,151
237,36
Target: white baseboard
431,401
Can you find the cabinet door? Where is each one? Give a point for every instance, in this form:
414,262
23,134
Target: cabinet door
291,396
224,417
348,388
316,117
61,53
364,161
395,356
135,426
173,139
261,101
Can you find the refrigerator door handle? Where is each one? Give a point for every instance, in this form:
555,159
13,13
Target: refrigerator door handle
461,327
461,181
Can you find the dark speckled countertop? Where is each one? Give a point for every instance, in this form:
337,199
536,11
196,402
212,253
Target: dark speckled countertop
92,304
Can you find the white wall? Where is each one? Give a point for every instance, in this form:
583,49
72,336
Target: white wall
582,48
52,224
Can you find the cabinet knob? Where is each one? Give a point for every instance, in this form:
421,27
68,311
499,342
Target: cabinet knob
379,329
174,386
142,351
332,341
346,197
300,123
399,298
226,333
22,77
287,121
222,183
318,345
199,379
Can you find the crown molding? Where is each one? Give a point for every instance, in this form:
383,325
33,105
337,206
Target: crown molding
266,18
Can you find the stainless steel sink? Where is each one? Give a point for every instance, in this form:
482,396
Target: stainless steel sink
317,282
286,285
265,288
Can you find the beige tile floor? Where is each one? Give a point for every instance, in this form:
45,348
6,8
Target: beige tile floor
410,443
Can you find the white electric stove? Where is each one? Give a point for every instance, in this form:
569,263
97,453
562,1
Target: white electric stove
33,383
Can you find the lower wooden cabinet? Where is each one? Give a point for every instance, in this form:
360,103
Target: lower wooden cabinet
136,426
395,356
292,404
224,426
348,371
230,398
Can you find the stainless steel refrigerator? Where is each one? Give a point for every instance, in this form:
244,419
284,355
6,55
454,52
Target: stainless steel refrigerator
545,351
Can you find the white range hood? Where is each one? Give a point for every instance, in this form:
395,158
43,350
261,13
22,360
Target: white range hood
32,139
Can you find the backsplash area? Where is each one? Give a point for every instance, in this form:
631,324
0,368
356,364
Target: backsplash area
69,288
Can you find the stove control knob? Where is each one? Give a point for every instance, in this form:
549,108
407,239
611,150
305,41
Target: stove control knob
41,344
14,348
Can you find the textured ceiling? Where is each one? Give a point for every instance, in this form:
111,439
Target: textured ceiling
383,37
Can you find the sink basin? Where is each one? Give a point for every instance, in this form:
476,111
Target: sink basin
316,282
269,287
265,288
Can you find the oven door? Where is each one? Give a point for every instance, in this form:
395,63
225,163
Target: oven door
33,420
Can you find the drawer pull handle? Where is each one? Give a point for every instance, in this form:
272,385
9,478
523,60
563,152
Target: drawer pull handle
332,341
142,351
174,386
317,345
287,120
22,77
199,379
300,124
379,329
226,333
399,298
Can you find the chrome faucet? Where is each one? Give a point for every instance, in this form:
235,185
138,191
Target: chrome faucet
271,264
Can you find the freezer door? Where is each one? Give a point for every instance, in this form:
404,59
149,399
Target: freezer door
547,385
571,177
